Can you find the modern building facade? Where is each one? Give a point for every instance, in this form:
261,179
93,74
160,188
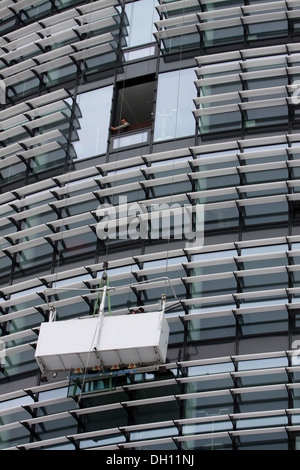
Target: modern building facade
211,92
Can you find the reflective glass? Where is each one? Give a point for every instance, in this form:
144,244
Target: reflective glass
8,24
48,160
173,117
23,88
16,436
35,257
5,269
20,363
180,43
208,6
94,121
220,122
266,29
140,32
223,36
59,75
36,11
12,173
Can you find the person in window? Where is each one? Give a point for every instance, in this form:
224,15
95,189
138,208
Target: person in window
138,310
124,126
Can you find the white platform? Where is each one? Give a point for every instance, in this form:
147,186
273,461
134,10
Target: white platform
139,339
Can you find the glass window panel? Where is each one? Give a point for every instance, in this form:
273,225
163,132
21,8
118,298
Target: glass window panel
263,363
40,218
220,122
12,173
272,441
108,418
69,446
77,245
267,116
219,88
209,405
25,322
261,262
222,36
17,436
48,160
262,422
99,63
181,43
263,323
135,103
167,189
56,428
54,393
23,88
176,330
21,401
210,443
86,205
5,269
79,309
173,117
138,54
210,6
161,411
58,75
202,269
61,4
256,250
265,156
267,29
221,218
267,82
211,383
263,214
213,287
140,32
94,121
260,401
131,139
264,281
214,255
154,433
20,363
26,299
36,11
19,135
212,426
35,257
263,379
217,368
8,24
102,441
212,328
58,407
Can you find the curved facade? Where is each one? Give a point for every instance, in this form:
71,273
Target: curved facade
211,92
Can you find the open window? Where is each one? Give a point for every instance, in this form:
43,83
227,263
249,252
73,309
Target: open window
134,101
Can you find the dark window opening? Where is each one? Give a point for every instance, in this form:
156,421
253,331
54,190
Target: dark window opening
134,101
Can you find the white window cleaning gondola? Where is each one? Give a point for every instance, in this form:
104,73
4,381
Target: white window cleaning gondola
103,342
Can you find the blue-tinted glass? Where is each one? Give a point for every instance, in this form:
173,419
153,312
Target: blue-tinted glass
140,32
174,117
94,122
